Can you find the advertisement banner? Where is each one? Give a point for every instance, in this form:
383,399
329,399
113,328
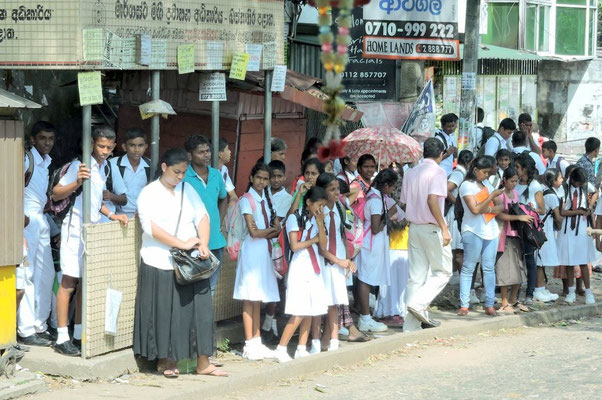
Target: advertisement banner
411,29
104,34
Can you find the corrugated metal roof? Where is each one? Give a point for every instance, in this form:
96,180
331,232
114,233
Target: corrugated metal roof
11,100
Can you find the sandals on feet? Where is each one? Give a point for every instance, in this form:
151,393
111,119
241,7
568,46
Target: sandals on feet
507,309
521,307
491,312
212,370
463,311
171,373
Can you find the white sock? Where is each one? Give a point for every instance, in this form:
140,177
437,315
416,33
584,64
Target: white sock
63,335
77,332
571,289
588,291
256,341
539,289
267,322
315,343
334,344
281,349
301,347
249,343
365,318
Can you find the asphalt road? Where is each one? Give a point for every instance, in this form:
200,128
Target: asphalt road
563,361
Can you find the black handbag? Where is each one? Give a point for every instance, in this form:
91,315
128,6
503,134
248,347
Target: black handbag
188,266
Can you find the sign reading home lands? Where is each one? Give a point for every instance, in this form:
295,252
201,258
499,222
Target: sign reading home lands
411,29
114,34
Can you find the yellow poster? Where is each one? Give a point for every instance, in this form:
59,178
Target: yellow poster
185,58
89,85
238,69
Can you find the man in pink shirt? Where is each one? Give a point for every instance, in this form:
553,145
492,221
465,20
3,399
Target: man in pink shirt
423,191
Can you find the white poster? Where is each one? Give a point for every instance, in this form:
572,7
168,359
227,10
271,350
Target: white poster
254,52
279,78
212,86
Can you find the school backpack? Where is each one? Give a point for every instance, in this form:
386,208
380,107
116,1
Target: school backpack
354,231
60,208
439,133
122,169
360,202
281,267
29,172
459,210
488,133
551,211
531,233
236,227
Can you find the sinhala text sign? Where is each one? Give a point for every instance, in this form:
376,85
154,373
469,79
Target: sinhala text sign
411,29
111,34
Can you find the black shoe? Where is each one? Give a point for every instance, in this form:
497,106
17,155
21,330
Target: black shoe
433,323
35,340
48,336
67,349
77,343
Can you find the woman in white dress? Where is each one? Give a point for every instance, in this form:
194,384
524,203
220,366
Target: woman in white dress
574,246
547,256
305,293
255,278
336,254
373,261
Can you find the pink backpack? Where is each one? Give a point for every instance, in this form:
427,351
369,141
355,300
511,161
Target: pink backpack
236,227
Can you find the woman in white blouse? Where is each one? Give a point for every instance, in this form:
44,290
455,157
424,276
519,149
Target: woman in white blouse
172,322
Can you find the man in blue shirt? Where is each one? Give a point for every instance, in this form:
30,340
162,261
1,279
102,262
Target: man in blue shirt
210,186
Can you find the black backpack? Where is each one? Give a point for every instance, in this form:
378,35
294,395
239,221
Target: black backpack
443,139
29,172
488,133
531,233
122,169
551,212
459,210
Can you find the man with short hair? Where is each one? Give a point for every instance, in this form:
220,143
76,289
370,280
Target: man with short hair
477,136
592,149
519,146
210,186
37,278
447,137
553,160
499,140
525,125
423,192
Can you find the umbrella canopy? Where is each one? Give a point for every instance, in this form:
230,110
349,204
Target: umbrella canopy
387,145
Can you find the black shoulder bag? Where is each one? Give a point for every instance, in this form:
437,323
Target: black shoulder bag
188,266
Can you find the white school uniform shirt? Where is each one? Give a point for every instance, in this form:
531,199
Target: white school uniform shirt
132,182
494,144
282,202
35,194
534,187
475,223
97,184
156,204
557,163
541,168
118,189
347,176
226,175
450,140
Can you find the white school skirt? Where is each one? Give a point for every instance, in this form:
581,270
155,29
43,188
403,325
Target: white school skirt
305,291
391,298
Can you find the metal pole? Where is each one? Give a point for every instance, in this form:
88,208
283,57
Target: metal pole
86,210
214,133
155,84
267,117
470,65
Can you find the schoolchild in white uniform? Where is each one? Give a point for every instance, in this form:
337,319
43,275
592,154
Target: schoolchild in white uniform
373,264
38,275
453,183
282,201
255,278
338,265
72,246
223,157
305,292
131,170
547,256
575,247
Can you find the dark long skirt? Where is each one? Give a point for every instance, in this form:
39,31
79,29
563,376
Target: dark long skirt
172,321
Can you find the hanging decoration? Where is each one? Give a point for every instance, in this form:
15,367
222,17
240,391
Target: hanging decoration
334,59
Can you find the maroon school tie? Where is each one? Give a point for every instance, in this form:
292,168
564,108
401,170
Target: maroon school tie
312,254
574,208
267,224
332,237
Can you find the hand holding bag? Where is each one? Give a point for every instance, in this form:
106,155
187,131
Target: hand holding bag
188,265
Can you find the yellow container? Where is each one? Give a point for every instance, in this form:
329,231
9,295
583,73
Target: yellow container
8,306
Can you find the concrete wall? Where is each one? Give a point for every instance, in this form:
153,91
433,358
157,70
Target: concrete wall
569,100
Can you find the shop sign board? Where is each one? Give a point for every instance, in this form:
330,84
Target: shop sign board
411,30
105,34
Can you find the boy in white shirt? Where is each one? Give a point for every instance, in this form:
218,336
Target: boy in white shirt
223,156
131,170
72,246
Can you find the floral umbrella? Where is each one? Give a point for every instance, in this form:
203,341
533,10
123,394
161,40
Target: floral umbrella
387,145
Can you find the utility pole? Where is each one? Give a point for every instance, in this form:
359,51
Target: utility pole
470,63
